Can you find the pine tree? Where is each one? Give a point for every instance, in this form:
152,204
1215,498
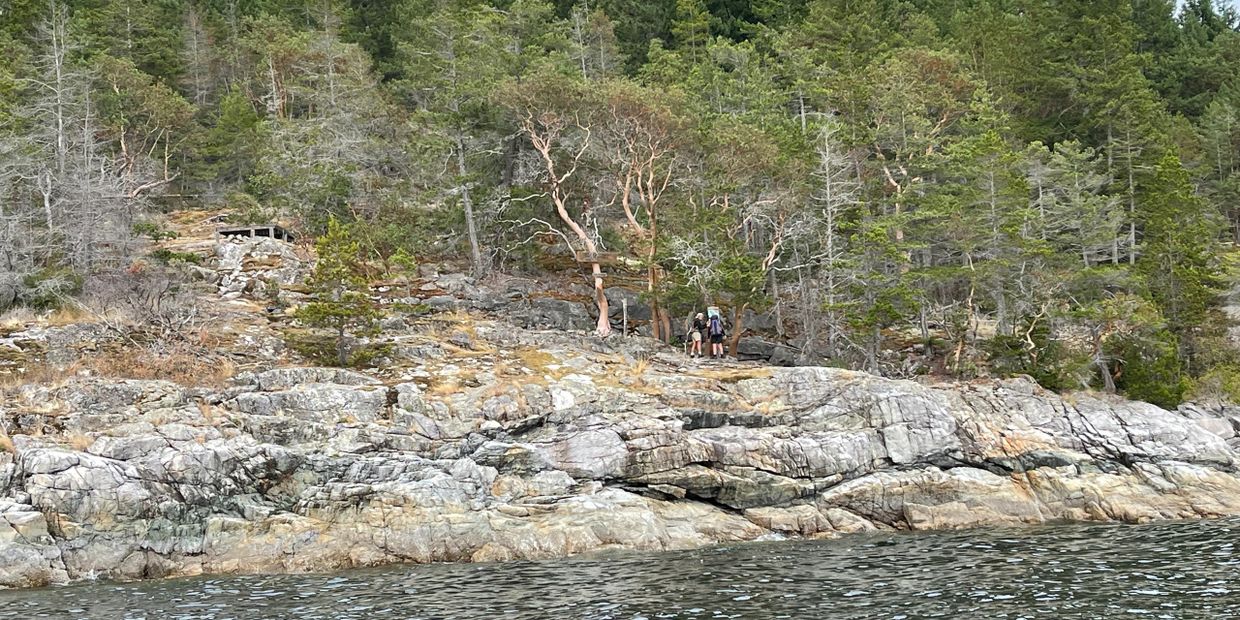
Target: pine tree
691,29
1177,257
342,293
451,61
1082,220
229,149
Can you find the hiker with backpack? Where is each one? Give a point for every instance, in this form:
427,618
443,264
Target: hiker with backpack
696,335
716,332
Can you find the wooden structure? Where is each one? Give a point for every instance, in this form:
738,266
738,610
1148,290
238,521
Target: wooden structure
273,231
602,258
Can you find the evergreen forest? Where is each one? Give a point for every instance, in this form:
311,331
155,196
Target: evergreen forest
1009,187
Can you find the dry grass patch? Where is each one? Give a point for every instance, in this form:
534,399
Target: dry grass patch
500,388
445,387
185,366
68,315
769,407
459,351
6,443
440,328
639,367
17,318
447,384
636,386
630,376
731,375
39,374
208,412
78,441
21,317
542,363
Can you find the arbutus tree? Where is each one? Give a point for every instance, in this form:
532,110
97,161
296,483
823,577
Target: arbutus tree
642,139
557,117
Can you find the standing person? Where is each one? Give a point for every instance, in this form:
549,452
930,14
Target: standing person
714,327
695,335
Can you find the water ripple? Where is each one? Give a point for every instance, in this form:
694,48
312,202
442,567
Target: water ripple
1180,571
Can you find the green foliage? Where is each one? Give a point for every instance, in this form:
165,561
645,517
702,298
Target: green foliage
168,257
1058,173
1220,383
1150,368
741,280
153,231
146,34
341,293
246,209
323,349
227,152
50,288
1178,258
404,262
1050,362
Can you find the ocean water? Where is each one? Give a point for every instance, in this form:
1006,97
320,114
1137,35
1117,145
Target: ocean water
1176,570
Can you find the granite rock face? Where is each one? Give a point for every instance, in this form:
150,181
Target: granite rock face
316,469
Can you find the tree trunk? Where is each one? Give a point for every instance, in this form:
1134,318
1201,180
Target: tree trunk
1108,381
656,325
779,307
604,322
738,315
512,150
559,197
1132,209
342,349
471,226
871,354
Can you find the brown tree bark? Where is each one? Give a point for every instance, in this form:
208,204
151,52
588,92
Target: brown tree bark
738,317
544,133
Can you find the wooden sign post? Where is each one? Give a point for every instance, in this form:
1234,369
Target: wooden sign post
624,307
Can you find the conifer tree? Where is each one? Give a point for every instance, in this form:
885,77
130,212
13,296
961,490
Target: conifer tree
1177,255
341,291
229,148
691,28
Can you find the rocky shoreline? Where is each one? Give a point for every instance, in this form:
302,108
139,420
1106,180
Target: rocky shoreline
538,449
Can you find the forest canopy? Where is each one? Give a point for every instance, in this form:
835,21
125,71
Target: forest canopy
1037,187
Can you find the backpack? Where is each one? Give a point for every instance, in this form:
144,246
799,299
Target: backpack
716,326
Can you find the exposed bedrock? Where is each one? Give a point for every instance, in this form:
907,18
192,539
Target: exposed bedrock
314,469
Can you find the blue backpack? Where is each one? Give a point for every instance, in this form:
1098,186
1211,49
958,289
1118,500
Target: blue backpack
716,326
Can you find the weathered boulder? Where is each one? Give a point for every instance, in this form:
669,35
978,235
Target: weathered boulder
323,403
617,297
551,313
29,556
758,321
754,349
288,378
248,265
10,286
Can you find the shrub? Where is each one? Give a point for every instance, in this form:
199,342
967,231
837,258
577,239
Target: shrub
168,257
50,287
324,350
1150,369
154,297
1050,362
247,210
1219,384
153,230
